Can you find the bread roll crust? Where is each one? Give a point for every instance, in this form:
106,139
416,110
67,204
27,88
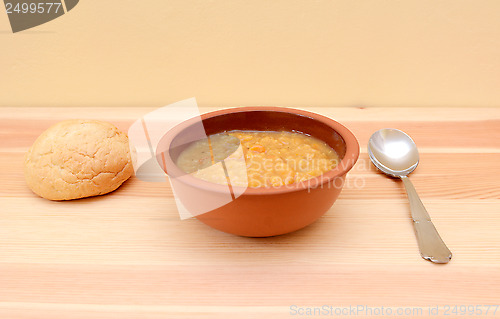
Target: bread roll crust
76,159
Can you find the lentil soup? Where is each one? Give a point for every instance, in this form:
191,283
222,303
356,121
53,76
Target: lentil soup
257,158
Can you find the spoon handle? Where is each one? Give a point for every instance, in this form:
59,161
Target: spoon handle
431,246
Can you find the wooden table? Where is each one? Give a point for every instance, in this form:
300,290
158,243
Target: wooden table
128,255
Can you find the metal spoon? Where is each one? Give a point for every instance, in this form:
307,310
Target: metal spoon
394,153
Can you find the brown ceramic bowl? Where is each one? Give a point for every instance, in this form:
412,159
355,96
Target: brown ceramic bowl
264,211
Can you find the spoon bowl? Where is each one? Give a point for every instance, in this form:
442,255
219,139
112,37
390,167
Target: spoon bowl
393,152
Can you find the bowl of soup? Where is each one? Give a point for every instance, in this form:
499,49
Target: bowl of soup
257,171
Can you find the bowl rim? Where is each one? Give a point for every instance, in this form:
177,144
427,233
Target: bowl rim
345,165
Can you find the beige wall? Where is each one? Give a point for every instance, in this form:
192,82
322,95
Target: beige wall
260,52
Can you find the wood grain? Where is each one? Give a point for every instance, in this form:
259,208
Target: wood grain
128,255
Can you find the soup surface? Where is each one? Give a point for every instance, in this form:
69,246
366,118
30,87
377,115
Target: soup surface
257,158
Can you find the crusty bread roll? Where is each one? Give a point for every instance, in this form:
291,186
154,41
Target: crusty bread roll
78,158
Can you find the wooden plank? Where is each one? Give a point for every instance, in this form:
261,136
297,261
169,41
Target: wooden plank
115,230
253,285
471,134
351,114
438,175
22,310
